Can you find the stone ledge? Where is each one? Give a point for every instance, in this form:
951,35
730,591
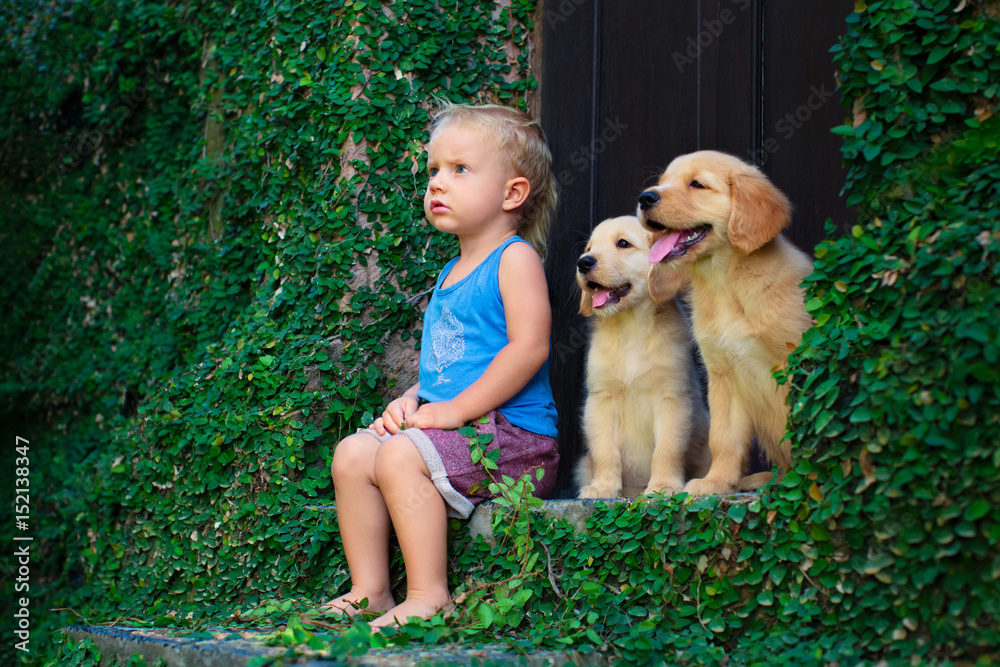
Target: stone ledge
576,511
229,648
235,648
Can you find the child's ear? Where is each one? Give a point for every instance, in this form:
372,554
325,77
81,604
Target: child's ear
518,189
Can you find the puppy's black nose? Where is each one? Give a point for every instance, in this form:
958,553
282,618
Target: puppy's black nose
648,200
586,264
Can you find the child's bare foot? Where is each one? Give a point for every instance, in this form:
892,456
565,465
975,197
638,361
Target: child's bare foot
412,606
350,603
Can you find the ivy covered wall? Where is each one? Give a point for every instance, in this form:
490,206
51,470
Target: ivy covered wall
216,260
181,445
896,402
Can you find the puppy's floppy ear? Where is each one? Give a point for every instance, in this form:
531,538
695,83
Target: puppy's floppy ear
760,211
586,302
665,283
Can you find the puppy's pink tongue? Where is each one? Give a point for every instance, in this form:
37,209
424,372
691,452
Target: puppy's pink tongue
601,297
663,246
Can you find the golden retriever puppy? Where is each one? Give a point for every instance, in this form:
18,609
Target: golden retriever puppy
644,418
720,219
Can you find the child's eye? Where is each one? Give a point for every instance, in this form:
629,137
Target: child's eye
622,243
432,171
461,169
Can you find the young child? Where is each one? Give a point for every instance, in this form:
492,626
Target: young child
484,351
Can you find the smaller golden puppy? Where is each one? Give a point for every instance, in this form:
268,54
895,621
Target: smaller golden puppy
720,219
644,419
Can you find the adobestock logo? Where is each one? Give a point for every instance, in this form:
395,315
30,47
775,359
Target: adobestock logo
790,123
583,156
560,13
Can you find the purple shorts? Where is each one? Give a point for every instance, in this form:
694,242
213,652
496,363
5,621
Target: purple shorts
447,456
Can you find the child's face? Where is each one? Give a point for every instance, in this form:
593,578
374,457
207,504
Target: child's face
468,183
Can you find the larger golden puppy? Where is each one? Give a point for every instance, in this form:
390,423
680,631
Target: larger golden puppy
644,419
720,219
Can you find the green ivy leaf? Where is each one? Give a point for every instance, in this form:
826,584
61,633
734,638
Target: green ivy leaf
737,513
861,414
486,614
977,510
938,53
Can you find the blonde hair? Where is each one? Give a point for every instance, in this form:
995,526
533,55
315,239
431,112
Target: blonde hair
523,147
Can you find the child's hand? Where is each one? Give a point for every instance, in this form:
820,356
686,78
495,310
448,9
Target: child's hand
393,420
441,415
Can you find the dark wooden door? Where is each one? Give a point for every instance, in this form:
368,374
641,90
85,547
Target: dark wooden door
627,85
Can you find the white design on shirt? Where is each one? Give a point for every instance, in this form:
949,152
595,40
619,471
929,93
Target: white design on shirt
447,343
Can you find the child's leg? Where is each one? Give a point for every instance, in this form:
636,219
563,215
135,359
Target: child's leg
420,518
364,524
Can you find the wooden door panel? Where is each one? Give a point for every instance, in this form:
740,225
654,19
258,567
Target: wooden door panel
646,104
729,98
800,105
627,85
568,62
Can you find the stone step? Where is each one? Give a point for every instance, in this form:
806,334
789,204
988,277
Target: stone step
226,647
236,648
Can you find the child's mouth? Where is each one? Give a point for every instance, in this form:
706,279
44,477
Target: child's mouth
437,206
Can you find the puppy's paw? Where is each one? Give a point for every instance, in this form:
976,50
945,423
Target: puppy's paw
599,491
754,482
708,487
668,487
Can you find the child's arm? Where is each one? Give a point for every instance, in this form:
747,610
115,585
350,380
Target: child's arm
525,298
397,412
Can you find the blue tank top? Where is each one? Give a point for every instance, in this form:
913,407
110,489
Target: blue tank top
464,329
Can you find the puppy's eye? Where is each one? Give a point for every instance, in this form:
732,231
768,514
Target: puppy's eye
622,243
697,185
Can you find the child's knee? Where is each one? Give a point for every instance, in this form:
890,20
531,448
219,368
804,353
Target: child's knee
397,454
352,454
